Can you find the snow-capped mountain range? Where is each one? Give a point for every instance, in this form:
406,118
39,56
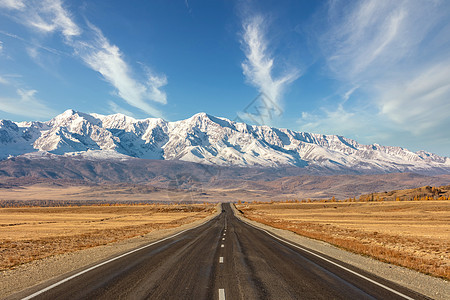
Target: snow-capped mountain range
203,139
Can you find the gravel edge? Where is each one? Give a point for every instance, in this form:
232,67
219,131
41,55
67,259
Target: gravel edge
40,271
429,286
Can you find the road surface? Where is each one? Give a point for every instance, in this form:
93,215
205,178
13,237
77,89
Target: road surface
224,258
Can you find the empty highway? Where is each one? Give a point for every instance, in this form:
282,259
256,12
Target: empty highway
224,258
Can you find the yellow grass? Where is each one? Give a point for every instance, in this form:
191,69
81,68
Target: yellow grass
411,234
36,232
48,194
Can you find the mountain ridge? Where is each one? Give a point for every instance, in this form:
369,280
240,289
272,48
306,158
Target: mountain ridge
205,139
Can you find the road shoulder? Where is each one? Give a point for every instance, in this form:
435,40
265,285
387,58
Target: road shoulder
432,287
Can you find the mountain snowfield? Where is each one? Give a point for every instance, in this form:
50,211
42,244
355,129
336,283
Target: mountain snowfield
203,139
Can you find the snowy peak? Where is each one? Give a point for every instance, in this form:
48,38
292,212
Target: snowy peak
205,139
72,117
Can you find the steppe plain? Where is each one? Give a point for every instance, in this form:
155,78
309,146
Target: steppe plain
46,219
412,234
32,233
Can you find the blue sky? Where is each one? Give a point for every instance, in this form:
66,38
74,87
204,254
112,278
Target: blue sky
375,71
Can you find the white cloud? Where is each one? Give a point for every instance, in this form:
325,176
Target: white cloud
154,83
33,52
96,51
421,102
368,37
12,4
26,104
32,43
186,2
396,56
365,39
50,16
3,81
259,64
115,108
368,127
338,121
108,60
349,93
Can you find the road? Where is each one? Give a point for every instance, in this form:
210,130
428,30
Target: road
224,258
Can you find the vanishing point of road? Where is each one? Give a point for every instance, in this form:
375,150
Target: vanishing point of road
224,258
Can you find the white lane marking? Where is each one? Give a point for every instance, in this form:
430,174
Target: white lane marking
221,246
221,294
224,233
221,259
223,239
106,262
336,264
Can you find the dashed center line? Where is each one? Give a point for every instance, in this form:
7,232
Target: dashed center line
223,239
221,246
221,259
221,294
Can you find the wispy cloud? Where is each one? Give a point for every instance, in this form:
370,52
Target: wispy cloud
9,79
397,56
259,64
97,52
47,16
115,108
186,2
419,103
33,44
331,121
12,4
362,35
349,93
26,104
3,80
107,59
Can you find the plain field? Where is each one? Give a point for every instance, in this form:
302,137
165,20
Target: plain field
414,234
29,233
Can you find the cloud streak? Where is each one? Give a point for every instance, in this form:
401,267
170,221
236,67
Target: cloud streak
361,36
114,108
259,64
398,57
3,81
107,59
96,51
425,95
12,4
51,16
26,104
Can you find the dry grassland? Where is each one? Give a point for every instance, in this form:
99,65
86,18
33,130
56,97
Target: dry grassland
31,233
51,195
413,234
48,192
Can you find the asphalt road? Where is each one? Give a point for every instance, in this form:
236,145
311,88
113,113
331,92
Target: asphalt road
224,258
